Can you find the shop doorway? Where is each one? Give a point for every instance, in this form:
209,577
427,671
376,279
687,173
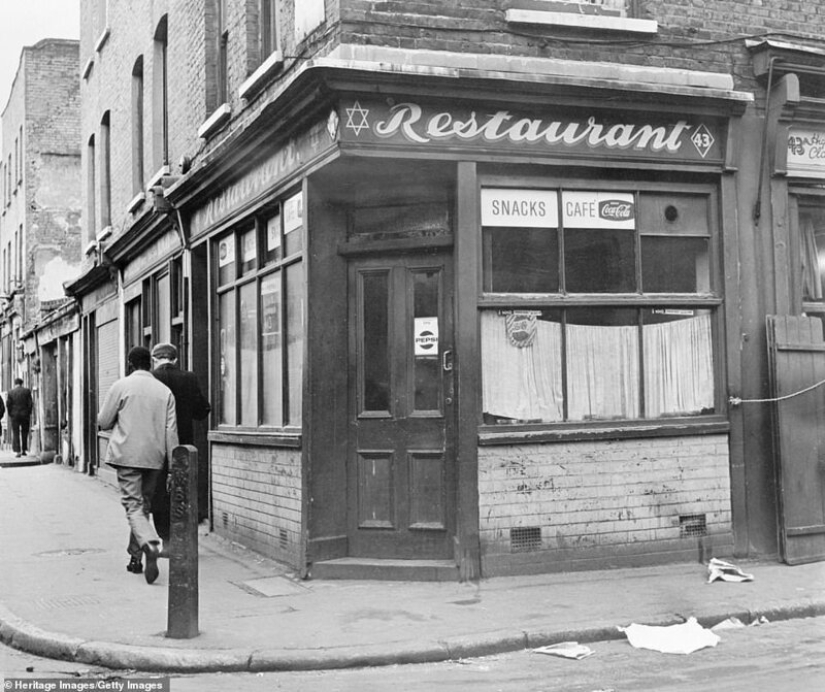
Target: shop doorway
401,465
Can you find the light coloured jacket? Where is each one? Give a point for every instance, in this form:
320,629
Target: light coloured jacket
140,412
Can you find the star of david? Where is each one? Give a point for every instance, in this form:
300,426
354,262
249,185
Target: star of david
357,118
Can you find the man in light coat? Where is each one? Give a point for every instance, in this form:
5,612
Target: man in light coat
140,412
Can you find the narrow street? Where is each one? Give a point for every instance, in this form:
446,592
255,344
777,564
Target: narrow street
774,657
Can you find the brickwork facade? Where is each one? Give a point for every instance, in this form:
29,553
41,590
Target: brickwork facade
256,498
589,500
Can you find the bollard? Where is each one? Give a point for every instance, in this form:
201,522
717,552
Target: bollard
182,620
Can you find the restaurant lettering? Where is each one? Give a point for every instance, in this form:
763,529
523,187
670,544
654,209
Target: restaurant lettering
532,130
407,119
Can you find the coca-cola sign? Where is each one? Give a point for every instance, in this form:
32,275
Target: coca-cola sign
616,210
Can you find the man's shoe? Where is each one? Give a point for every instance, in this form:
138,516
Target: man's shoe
18,455
135,566
151,550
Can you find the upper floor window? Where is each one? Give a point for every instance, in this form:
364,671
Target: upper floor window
21,158
268,27
597,304
620,15
138,177
221,52
160,97
91,189
105,171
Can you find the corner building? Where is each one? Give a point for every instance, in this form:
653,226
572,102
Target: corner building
474,291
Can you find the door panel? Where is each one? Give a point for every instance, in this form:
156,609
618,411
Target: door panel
401,472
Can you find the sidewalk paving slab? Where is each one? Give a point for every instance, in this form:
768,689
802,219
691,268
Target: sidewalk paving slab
65,593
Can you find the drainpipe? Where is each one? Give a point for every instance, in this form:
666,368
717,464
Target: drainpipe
757,209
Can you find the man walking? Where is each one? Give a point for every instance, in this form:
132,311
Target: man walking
140,412
191,405
19,402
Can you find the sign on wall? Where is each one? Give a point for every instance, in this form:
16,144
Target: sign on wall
586,209
520,208
806,152
581,133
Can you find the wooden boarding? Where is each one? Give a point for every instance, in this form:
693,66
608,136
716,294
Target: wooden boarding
797,361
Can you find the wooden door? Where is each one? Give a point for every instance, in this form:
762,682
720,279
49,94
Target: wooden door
401,461
797,355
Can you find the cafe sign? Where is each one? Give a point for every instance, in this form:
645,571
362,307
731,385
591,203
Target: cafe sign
582,133
806,153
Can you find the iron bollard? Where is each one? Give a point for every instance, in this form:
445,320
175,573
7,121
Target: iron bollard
182,620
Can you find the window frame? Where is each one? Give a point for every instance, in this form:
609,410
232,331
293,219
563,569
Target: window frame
491,433
255,272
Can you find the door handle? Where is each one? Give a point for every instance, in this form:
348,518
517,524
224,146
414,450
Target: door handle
447,360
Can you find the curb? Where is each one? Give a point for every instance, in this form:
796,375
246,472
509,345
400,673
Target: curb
20,634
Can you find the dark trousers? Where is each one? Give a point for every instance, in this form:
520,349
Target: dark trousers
161,506
20,435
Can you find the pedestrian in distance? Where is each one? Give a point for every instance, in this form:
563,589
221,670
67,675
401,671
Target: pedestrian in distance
140,412
191,405
19,402
2,413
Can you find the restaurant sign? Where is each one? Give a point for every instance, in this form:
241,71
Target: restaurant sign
555,132
806,153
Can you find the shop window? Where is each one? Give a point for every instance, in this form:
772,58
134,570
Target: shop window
261,316
810,222
134,329
613,316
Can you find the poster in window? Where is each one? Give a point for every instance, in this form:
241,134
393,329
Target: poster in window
598,209
270,319
426,336
226,251
293,213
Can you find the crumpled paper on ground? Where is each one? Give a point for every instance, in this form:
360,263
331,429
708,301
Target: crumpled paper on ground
566,650
685,638
726,571
735,623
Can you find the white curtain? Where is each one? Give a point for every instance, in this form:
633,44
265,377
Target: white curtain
523,384
678,366
811,279
603,372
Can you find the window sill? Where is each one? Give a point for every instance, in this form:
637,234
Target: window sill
87,68
573,20
261,77
104,37
156,179
215,121
291,440
489,435
105,232
137,200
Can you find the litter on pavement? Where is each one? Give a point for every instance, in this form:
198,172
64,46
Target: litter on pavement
566,650
735,623
684,638
726,571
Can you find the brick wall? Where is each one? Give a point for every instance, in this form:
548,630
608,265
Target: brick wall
602,500
706,36
256,498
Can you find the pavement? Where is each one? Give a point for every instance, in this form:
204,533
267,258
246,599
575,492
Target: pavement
65,594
